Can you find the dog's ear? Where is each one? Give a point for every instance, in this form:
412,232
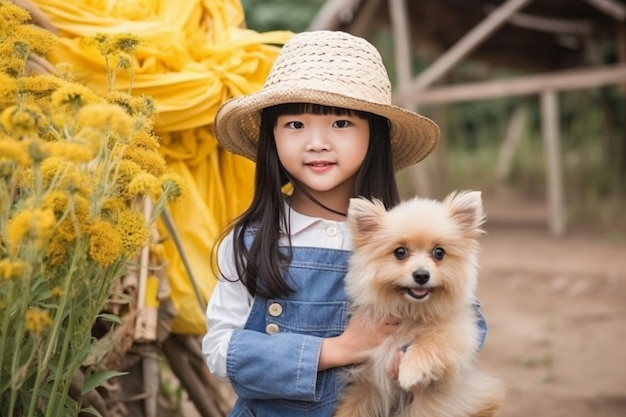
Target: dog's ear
364,217
466,207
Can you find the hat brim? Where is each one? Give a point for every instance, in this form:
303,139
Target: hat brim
237,123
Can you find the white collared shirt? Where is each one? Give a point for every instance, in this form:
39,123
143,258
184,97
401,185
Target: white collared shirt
230,302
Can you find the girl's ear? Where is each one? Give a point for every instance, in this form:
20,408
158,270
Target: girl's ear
364,218
466,208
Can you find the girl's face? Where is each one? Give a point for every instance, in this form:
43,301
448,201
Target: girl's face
322,152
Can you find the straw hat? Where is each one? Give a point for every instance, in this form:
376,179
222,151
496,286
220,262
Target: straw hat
330,68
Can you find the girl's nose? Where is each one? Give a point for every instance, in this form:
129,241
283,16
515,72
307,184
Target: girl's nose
317,141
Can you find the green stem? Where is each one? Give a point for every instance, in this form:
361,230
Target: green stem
3,340
19,334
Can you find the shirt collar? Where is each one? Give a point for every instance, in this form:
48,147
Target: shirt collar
300,222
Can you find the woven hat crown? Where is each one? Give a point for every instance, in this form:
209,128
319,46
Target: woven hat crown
311,61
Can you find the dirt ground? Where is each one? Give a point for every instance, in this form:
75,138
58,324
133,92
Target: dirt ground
556,309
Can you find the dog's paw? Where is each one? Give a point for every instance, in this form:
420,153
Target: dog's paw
410,379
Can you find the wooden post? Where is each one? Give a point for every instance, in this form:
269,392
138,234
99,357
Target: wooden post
512,138
401,33
550,127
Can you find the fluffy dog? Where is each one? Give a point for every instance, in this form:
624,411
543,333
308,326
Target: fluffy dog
419,262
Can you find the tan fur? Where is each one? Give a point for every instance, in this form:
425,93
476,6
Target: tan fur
436,375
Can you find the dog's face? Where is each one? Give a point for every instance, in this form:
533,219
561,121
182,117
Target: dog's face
422,254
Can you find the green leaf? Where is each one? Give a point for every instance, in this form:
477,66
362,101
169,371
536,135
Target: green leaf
96,379
110,317
90,410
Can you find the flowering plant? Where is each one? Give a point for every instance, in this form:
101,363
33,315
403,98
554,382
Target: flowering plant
75,171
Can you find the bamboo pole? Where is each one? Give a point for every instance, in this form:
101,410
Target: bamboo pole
550,127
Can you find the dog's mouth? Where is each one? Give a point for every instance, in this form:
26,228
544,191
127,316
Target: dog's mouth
419,293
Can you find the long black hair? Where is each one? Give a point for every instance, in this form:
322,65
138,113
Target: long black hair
263,259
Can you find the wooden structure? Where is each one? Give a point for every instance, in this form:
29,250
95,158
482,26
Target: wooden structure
555,40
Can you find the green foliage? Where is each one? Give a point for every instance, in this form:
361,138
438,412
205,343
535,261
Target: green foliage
263,15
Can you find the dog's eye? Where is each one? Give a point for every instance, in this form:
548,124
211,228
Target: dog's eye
439,253
401,252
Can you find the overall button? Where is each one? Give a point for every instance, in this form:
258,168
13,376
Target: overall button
275,309
272,328
332,231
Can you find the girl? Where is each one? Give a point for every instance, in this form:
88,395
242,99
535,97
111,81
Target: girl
278,325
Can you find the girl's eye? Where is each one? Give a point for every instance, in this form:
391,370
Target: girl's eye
341,123
401,252
295,125
439,253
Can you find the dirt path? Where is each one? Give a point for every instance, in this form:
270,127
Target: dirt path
557,315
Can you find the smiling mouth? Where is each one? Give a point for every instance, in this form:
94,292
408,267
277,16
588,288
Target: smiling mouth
418,293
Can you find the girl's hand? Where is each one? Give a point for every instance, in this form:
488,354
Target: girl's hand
354,344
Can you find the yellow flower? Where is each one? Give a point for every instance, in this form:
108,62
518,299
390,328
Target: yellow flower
57,292
145,140
63,175
14,150
149,161
114,44
22,120
173,185
91,138
25,178
12,269
8,86
37,320
38,86
114,206
141,184
56,250
143,105
57,201
36,224
40,41
13,16
73,96
74,152
106,117
12,66
126,171
105,245
133,230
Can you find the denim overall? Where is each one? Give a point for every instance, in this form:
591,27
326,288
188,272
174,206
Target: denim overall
272,362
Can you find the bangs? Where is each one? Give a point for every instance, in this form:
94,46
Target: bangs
311,108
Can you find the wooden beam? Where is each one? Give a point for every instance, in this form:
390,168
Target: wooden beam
464,46
550,128
534,84
552,25
333,13
362,22
611,7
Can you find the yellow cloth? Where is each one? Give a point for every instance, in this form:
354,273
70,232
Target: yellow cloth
193,55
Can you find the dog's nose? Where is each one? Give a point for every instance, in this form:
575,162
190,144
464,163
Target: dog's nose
421,276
